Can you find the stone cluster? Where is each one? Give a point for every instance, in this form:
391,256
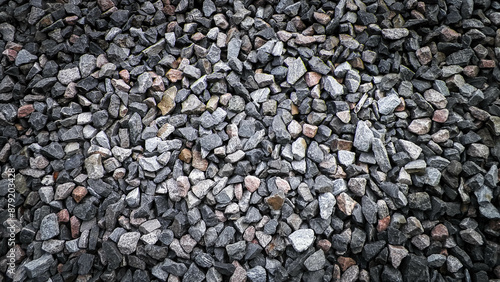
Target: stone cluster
266,140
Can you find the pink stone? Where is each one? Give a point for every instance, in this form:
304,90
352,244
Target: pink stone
439,232
252,183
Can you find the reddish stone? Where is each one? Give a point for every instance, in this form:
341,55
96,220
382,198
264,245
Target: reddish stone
198,36
14,46
309,130
440,115
79,193
424,55
174,75
73,38
383,223
439,232
75,227
322,18
63,215
258,42
325,245
448,34
105,4
249,234
304,40
158,84
487,64
186,156
312,78
298,23
275,202
25,110
417,15
402,105
345,262
341,144
71,20
471,71
198,162
11,54
169,10
252,183
282,184
357,63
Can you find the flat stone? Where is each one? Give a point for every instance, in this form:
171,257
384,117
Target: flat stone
395,33
420,126
39,266
295,71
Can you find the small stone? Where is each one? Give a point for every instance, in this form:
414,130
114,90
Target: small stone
420,126
94,167
316,261
395,33
25,57
302,239
388,104
345,203
397,254
472,237
346,157
453,264
295,71
128,242
326,205
252,183
363,137
49,227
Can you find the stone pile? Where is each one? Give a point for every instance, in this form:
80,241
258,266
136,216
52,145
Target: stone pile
267,140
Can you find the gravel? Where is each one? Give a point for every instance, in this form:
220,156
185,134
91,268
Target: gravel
242,140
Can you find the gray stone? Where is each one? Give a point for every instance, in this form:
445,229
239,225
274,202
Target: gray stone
257,274
40,266
436,260
25,57
381,155
363,137
326,205
388,104
174,268
295,71
280,130
316,261
68,75
332,86
352,81
199,85
149,164
93,165
346,157
472,237
128,242
302,239
453,264
49,227
210,142
395,33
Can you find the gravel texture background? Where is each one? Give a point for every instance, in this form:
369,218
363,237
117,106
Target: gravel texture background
241,140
